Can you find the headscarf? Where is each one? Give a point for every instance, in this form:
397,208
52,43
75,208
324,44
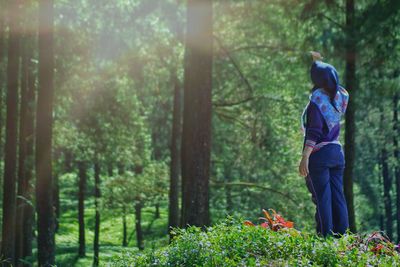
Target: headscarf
325,76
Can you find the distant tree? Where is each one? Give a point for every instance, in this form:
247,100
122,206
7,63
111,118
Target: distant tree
196,133
133,190
81,207
173,211
10,157
396,134
97,195
44,122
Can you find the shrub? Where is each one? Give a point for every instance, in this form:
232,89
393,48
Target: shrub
232,243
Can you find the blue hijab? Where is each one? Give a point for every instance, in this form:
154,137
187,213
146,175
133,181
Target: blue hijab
324,75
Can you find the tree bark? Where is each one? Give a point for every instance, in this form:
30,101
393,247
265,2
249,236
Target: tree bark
110,170
138,225
196,134
228,190
3,39
24,221
387,184
44,121
81,208
10,149
97,195
173,211
124,228
350,113
396,134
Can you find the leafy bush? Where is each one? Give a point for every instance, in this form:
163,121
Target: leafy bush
233,243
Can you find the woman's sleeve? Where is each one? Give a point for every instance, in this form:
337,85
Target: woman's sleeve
314,125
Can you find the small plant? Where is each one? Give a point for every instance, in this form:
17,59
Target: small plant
274,222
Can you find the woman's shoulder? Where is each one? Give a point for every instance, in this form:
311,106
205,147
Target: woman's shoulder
318,96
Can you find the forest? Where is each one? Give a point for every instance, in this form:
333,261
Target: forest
145,132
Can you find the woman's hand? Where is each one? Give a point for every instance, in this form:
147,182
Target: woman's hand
303,167
316,55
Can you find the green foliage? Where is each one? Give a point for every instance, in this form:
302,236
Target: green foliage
231,243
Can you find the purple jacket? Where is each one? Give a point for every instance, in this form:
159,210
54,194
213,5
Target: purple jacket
316,131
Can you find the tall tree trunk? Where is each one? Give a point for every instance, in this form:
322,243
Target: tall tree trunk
173,211
9,185
196,134
3,39
387,184
124,228
24,221
81,208
350,113
44,121
396,134
27,192
97,195
138,224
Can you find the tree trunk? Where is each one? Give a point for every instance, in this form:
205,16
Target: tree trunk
44,121
81,208
97,195
396,134
350,113
56,194
3,39
173,211
196,134
228,191
110,170
387,184
124,228
24,222
29,163
10,149
138,225
157,211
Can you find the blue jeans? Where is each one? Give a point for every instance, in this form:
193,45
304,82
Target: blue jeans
325,182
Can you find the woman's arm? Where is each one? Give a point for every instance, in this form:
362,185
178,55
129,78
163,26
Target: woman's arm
313,134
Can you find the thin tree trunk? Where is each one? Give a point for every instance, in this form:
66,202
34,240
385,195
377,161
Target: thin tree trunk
110,170
9,184
396,134
350,113
24,221
124,228
44,121
138,224
173,211
97,195
157,211
81,208
228,191
56,194
196,134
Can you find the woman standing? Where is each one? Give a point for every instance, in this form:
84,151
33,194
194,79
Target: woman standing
322,160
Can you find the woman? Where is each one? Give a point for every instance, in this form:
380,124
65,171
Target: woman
322,160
